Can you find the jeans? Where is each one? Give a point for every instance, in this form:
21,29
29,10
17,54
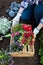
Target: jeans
31,10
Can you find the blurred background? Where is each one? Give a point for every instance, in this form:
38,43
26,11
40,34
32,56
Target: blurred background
4,5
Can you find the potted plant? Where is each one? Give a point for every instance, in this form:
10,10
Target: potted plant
5,59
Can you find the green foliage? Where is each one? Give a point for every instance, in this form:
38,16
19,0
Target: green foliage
16,47
41,60
4,55
17,28
5,59
41,51
41,47
22,37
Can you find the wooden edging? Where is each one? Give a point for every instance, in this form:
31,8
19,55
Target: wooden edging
23,53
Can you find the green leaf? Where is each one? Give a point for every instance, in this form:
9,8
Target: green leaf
41,58
40,52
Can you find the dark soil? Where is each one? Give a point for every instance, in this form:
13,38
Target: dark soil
4,4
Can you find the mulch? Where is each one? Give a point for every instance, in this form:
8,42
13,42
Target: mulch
4,4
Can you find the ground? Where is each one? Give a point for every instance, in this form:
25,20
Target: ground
4,4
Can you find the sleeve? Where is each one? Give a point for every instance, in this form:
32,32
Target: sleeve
41,21
36,2
25,3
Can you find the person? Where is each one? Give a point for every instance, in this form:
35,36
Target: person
26,11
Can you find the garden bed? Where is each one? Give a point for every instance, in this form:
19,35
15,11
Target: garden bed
18,61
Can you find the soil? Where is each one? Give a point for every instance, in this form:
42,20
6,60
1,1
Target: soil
4,4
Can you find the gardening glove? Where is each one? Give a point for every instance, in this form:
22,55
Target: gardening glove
16,19
36,31
38,28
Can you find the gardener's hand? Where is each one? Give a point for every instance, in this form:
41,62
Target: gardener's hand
36,31
16,19
38,28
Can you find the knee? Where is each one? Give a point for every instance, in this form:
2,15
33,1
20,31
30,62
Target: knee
37,13
25,17
38,10
26,14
